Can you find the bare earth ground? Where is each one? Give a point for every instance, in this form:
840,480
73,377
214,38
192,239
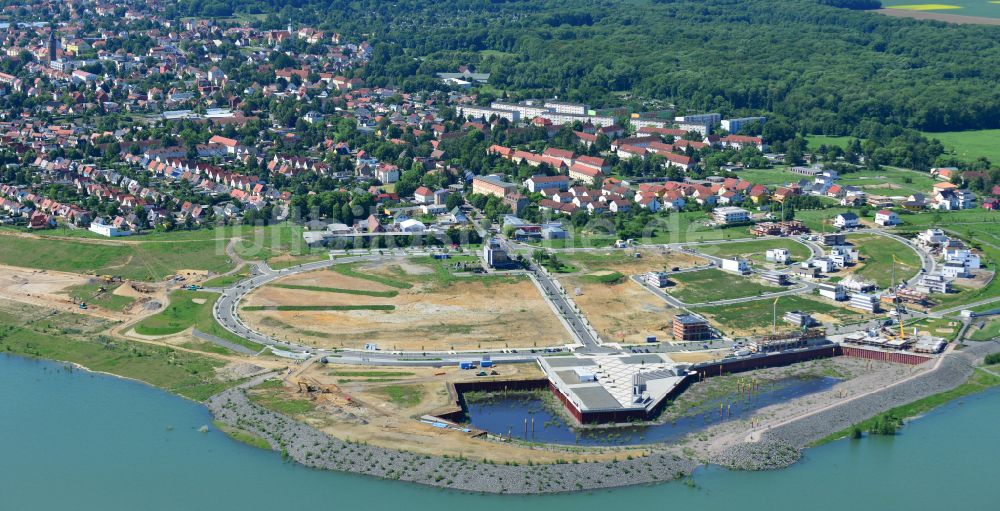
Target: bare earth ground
694,357
468,314
938,16
372,418
46,288
624,312
619,260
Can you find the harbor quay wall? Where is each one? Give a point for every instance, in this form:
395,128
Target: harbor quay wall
457,411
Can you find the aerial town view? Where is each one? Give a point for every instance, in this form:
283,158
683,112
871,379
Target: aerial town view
499,254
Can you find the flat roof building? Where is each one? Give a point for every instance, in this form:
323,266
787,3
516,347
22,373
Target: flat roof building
689,327
614,387
730,215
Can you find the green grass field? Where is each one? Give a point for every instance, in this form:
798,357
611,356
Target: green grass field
756,248
990,330
183,313
362,292
939,327
604,278
877,251
403,396
150,256
228,280
242,436
712,285
889,181
779,175
74,338
350,270
756,317
970,145
138,261
815,141
819,220
288,262
274,397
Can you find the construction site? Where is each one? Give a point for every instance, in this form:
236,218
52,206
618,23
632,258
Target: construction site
416,409
106,296
405,305
619,309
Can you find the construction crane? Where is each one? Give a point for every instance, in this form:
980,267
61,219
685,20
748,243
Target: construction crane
896,301
774,318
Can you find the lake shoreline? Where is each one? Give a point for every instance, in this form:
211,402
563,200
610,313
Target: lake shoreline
775,448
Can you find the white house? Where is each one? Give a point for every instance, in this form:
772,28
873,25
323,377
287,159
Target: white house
932,237
736,266
963,256
886,218
108,230
411,225
824,264
778,255
953,270
423,195
650,202
387,174
832,291
845,220
842,256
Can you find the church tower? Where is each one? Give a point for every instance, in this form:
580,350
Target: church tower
52,44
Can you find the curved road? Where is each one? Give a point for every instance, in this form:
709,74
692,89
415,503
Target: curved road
226,314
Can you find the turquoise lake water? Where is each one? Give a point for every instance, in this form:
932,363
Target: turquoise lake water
80,441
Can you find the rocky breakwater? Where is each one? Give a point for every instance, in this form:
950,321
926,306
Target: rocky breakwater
313,448
780,445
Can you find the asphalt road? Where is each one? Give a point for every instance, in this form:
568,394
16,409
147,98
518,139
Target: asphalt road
227,306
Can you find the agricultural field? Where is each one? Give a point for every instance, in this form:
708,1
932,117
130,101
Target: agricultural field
405,304
983,8
618,308
757,317
713,285
971,145
755,250
876,253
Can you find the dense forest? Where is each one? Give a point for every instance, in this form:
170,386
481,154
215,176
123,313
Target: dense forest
825,67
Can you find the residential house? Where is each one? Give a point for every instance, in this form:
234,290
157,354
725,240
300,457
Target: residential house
886,218
846,221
